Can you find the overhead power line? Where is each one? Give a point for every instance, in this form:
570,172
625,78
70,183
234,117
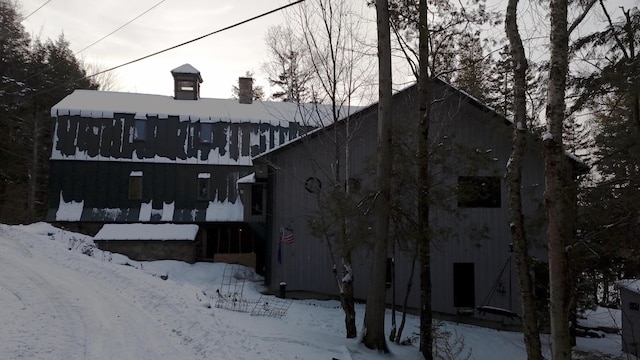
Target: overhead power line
196,39
116,30
34,11
93,43
172,47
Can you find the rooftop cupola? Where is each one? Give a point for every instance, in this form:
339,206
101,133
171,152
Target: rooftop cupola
186,82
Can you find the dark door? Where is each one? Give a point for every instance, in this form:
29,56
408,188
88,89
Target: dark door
464,285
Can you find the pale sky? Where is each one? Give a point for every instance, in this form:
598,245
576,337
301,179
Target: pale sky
220,58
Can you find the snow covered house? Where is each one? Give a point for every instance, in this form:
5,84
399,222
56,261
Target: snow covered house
127,158
473,272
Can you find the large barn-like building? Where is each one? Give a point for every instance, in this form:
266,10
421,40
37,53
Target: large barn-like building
472,264
243,174
127,158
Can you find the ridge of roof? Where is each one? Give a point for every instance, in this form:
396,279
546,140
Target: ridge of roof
101,104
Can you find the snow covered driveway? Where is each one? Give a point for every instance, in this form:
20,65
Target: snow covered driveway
53,312
62,299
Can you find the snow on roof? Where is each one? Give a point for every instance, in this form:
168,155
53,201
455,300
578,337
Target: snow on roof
185,69
249,179
632,285
104,104
147,232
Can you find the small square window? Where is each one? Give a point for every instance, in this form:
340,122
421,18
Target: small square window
135,185
479,192
203,186
140,130
186,85
206,133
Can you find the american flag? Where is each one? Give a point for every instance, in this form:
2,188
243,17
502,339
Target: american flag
287,235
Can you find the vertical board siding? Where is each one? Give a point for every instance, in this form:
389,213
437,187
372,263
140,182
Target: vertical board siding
456,236
93,157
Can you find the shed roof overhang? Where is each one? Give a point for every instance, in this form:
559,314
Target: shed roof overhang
159,232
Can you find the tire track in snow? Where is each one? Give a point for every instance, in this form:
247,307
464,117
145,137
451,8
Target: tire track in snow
88,318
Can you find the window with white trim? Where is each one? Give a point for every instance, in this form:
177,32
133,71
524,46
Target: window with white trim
135,185
206,133
204,185
140,130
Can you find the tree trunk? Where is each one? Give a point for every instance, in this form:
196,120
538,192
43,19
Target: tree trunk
424,246
394,328
513,181
554,172
346,298
348,303
373,332
33,172
406,299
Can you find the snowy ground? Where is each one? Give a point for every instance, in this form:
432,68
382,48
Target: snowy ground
63,299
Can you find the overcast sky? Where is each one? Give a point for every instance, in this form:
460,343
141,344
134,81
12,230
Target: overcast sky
221,58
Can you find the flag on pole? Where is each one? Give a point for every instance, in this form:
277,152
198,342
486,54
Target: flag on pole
287,236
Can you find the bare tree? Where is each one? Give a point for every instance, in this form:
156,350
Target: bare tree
513,180
105,80
334,70
289,66
424,245
555,174
559,196
373,332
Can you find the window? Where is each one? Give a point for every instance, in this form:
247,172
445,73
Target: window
206,133
135,185
464,285
203,186
479,192
257,197
140,130
186,85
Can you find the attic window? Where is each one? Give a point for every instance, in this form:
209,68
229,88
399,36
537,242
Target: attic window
186,85
140,130
135,185
479,192
206,133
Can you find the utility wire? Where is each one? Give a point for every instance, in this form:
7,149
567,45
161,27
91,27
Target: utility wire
196,39
45,68
125,24
34,11
172,47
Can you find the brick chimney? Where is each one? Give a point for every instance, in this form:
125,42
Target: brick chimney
245,90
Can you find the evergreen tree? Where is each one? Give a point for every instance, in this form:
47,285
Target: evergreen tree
609,89
288,68
474,68
35,76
